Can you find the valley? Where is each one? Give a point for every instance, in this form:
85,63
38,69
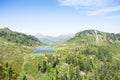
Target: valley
89,55
50,40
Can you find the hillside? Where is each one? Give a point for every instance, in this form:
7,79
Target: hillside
91,37
11,59
96,36
11,36
13,47
90,55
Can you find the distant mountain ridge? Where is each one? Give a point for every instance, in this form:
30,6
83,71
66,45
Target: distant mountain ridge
15,37
95,36
53,40
86,36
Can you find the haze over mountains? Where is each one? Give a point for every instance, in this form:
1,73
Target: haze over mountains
86,36
83,36
53,40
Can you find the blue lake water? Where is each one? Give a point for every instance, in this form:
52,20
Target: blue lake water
43,50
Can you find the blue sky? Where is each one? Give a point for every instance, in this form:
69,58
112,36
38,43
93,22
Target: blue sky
55,17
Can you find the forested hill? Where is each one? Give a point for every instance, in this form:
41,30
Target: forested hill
15,37
95,36
80,58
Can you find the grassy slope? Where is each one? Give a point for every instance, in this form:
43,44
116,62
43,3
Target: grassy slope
32,61
15,55
13,47
64,62
103,52
20,38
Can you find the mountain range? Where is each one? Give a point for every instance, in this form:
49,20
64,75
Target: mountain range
53,40
86,36
87,55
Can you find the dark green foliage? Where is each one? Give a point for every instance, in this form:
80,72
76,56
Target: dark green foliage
113,37
104,55
24,78
109,71
39,67
20,38
55,62
7,72
64,77
12,75
2,72
56,75
44,67
10,72
71,72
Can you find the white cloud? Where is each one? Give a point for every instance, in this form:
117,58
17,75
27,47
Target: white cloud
104,11
92,7
85,3
114,17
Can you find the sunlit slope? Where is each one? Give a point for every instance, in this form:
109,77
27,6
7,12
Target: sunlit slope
83,57
90,55
20,38
13,47
91,63
87,37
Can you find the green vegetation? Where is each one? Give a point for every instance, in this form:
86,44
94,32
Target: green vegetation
90,63
90,55
16,37
7,72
